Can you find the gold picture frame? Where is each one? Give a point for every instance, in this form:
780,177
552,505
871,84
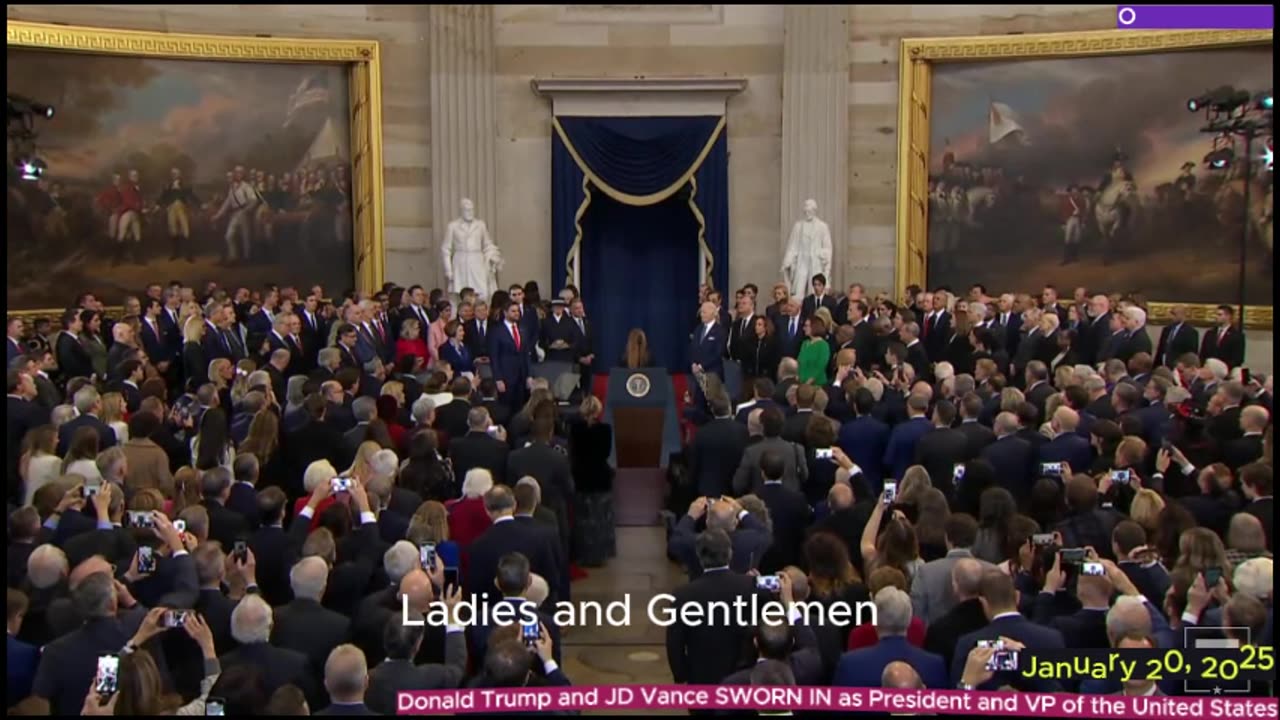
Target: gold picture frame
363,59
917,58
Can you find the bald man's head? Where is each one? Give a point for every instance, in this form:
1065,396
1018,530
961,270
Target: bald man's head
346,674
95,564
723,516
840,497
416,586
901,676
309,578
1065,420
966,578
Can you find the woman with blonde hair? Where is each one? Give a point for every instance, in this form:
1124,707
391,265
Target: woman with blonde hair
430,523
636,354
149,500
361,467
38,462
394,389
263,441
186,489
932,512
915,481
82,455
194,363
412,344
141,687
1145,509
1200,549
113,416
1010,399
590,444
240,385
832,579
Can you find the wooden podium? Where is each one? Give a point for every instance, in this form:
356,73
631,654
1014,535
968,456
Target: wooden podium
641,405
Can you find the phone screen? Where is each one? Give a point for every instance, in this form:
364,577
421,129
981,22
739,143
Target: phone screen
1120,476
180,525
1003,660
772,583
215,706
1051,469
492,430
146,559
822,454
529,633
108,678
1073,555
175,618
1093,568
427,556
1211,577
240,550
957,472
890,492
451,577
1041,539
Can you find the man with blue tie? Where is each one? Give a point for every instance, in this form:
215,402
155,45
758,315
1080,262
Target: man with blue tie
708,343
1177,338
789,329
260,323
509,349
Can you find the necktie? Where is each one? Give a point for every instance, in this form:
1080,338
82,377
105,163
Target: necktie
482,330
1221,335
581,328
515,333
793,326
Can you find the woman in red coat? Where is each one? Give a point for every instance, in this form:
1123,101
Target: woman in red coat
467,517
411,343
389,413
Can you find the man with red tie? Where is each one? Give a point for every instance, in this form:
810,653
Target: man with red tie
509,348
935,325
1226,341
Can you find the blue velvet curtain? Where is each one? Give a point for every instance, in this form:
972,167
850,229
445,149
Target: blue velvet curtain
633,202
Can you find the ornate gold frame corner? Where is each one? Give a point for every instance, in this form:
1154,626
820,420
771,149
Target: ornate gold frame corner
363,59
917,57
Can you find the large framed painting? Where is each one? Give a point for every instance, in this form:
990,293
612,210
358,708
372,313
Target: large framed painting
1072,159
197,158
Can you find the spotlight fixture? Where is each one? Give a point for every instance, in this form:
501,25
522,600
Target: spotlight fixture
1222,99
30,167
1264,101
20,106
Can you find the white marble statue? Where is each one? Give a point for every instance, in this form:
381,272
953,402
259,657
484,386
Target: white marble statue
808,252
471,259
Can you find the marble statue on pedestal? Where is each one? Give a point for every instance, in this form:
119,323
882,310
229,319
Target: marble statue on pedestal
471,259
808,252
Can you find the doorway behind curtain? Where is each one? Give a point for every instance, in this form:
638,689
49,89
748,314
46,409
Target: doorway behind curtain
640,270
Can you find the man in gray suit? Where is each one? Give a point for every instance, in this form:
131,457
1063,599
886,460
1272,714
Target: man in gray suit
398,672
932,593
768,423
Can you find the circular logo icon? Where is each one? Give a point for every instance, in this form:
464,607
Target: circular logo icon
638,385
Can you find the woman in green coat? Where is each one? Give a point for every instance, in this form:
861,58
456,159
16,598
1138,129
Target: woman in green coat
815,353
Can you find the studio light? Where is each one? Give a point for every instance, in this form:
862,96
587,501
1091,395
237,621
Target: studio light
1222,99
1220,159
20,106
1264,101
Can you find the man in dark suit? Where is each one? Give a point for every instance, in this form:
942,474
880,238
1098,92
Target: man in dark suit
864,335
550,467
584,342
260,323
742,328
977,435
1068,445
1086,524
509,348
14,345
89,404
251,623
348,344
225,525
1177,338
1030,346
452,416
1225,341
706,349
965,616
795,646
504,536
864,667
1011,456
273,549
1093,336
304,624
1038,389
152,335
716,450
819,298
789,329
749,537
314,329
527,316
23,415
795,427
499,413
865,438
212,604
900,453
364,410
1049,304
915,354
999,600
513,583
1135,338
1225,426
399,672
935,328
477,448
1087,626
762,390
1247,448
20,670
558,334
73,359
706,653
942,448
789,512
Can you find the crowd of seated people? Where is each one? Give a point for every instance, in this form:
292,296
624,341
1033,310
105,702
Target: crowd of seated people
238,495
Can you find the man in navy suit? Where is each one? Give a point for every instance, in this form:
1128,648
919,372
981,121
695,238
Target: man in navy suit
152,334
509,349
901,451
935,327
748,537
507,535
1011,456
1087,626
864,667
865,438
513,581
1067,445
14,346
89,404
23,657
1177,338
1000,603
819,298
706,349
789,329
260,322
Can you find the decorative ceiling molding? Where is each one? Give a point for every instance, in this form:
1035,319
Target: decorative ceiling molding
645,14
639,96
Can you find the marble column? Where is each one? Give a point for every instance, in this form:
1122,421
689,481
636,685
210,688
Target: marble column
463,117
815,122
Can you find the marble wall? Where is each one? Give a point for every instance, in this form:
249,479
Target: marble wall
402,31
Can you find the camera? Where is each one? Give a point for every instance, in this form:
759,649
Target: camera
1051,469
240,551
180,525
1120,477
174,618
1002,659
141,519
772,583
340,484
91,488
822,454
1042,539
1074,556
1093,568
492,430
107,681
427,556
890,492
957,473
1212,575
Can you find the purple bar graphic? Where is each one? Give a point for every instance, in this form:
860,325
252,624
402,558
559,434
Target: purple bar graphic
1195,17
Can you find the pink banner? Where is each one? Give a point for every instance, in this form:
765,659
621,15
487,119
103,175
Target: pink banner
765,699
